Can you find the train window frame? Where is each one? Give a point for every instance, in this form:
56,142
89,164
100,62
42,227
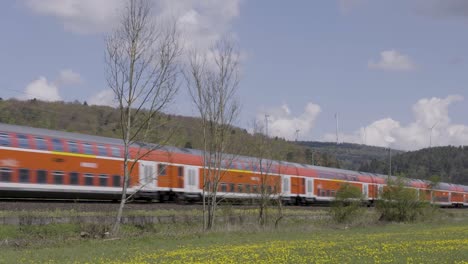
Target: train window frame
247,188
74,178
223,187
87,177
23,141
87,148
116,181
162,170
102,150
240,187
5,173
24,175
73,147
103,180
5,139
254,188
57,144
232,187
41,176
41,143
115,151
58,177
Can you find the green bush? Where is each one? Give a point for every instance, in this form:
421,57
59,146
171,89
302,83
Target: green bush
347,203
399,203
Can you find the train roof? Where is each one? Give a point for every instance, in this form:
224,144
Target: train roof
236,158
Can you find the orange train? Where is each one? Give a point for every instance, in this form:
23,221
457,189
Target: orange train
40,163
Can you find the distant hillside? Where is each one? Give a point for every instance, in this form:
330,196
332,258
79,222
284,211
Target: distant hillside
449,163
350,156
103,121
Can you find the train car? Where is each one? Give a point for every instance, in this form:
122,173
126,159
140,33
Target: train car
41,163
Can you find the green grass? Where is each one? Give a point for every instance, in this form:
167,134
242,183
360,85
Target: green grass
294,243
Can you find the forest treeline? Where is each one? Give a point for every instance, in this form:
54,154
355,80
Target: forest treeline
449,163
180,131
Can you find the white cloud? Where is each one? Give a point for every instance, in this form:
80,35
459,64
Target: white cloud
282,123
201,22
104,97
392,60
79,16
68,77
45,90
428,113
41,89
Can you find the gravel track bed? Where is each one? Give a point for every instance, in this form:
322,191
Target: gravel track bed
108,206
87,206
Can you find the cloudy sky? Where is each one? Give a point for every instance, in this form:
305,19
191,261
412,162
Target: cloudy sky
392,71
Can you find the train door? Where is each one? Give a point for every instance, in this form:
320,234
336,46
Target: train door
286,185
365,190
191,179
148,175
310,187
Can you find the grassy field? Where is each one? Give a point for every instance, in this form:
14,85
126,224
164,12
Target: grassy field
296,241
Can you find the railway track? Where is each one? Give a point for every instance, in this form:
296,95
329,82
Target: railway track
103,206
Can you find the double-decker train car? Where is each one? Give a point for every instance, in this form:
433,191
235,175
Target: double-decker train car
47,164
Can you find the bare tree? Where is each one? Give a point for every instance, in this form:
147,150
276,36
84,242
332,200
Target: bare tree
212,80
142,71
268,182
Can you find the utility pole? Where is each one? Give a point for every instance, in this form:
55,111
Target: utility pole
430,135
336,118
266,124
297,134
390,161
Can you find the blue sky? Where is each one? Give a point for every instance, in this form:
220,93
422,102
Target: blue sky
390,69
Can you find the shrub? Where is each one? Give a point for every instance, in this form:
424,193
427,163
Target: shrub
347,203
399,203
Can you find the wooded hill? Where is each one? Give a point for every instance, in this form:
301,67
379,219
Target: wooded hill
180,131
350,156
448,163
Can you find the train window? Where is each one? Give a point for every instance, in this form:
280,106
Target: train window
328,193
180,171
332,193
115,152
232,187
88,179
247,188
239,188
5,175
41,176
269,189
103,180
73,146
102,150
319,192
57,144
5,140
88,148
116,180
23,175
162,170
254,188
23,141
74,178
223,187
41,143
58,177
